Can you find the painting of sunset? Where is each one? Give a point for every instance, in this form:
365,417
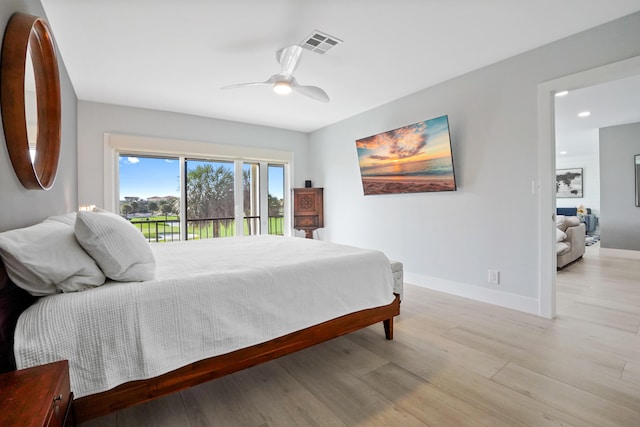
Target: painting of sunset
411,159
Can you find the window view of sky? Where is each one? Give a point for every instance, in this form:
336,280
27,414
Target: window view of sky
146,177
276,181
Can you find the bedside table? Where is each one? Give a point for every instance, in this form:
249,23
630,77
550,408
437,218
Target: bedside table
38,396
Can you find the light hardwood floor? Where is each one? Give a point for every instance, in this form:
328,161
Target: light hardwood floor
453,362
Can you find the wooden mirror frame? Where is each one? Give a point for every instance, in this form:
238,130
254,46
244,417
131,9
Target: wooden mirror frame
636,164
24,30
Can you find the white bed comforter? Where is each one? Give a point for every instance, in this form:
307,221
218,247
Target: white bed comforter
210,297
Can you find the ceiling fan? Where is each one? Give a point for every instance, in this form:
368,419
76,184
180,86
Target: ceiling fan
284,82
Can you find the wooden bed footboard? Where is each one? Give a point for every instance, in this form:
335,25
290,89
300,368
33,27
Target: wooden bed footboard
136,392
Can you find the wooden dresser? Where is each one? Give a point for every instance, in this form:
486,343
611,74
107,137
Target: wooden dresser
308,212
38,396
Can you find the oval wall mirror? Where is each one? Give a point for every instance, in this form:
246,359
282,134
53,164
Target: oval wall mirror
30,99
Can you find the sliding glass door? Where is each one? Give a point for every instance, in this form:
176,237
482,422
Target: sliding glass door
210,198
179,198
149,190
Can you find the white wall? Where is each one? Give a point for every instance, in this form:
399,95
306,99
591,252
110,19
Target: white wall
20,207
620,222
590,164
94,119
448,241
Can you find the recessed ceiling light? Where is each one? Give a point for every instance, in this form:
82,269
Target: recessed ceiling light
563,152
584,114
562,93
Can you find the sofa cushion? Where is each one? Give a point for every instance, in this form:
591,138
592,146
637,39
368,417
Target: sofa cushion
562,248
560,235
564,222
572,221
561,224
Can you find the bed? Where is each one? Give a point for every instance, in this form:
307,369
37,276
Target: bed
214,307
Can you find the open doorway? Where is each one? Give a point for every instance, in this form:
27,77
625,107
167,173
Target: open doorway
547,154
580,169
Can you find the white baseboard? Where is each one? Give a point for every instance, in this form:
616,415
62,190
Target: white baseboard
491,296
619,253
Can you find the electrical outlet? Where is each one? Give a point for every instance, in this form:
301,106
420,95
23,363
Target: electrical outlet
494,277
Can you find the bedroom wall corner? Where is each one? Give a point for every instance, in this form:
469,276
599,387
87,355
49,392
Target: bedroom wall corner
22,207
448,241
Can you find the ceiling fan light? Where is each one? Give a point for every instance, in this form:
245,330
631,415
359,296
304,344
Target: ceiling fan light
282,88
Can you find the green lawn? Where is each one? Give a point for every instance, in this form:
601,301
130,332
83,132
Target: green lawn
157,226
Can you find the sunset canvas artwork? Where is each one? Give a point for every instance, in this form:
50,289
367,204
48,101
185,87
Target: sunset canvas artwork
411,159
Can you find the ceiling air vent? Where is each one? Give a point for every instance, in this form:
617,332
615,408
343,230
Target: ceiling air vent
319,42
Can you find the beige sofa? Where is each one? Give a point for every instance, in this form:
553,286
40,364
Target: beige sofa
570,239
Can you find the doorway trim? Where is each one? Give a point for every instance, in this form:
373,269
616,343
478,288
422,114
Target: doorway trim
547,163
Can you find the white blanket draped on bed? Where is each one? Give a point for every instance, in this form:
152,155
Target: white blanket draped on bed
210,297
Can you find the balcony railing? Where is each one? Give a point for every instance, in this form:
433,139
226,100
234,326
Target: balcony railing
168,230
276,225
158,230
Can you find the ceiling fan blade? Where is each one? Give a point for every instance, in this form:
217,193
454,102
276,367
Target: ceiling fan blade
270,81
310,91
245,85
288,58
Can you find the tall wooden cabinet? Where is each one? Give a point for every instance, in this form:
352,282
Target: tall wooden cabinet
308,212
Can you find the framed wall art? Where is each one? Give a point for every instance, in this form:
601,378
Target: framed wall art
569,183
411,159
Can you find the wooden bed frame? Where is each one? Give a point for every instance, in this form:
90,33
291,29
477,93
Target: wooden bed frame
14,300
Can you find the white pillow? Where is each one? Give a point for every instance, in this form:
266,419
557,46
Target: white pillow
45,259
116,245
560,235
68,218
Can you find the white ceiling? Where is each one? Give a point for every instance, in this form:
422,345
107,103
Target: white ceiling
610,104
175,55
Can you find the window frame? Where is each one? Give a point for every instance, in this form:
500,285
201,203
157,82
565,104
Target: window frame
117,144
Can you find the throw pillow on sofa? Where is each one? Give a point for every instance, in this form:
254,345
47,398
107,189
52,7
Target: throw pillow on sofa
572,221
564,222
